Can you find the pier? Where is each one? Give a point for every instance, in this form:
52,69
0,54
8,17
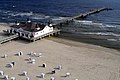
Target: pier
91,12
9,38
81,16
58,23
12,37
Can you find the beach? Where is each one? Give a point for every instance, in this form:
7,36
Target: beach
84,61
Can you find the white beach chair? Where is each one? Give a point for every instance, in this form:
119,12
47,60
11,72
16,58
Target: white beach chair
34,54
53,71
33,61
13,62
59,67
6,77
68,74
52,78
1,73
25,73
27,78
18,54
10,65
39,54
31,53
21,53
12,78
44,65
42,75
5,55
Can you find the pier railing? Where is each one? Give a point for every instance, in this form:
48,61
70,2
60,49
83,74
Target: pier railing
9,38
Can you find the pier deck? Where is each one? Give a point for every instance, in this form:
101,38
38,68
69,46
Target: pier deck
8,38
4,39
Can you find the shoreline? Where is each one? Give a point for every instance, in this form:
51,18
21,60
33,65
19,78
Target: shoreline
92,40
83,44
64,37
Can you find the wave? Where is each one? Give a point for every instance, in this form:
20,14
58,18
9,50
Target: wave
30,15
21,14
38,17
110,26
59,18
98,25
112,39
83,21
12,13
4,12
102,33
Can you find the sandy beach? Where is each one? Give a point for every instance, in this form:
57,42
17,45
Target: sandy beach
84,61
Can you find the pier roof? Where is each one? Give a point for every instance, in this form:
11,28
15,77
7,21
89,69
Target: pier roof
32,27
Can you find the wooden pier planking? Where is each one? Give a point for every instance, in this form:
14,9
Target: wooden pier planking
9,38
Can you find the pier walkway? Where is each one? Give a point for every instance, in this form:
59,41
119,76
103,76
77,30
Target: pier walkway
91,12
9,38
81,16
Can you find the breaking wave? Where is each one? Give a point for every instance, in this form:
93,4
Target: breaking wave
83,21
21,14
94,30
113,40
58,18
98,25
102,34
12,16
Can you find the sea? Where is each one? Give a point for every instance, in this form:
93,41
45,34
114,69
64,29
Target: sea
11,10
102,26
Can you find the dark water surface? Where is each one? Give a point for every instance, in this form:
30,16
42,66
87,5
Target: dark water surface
11,10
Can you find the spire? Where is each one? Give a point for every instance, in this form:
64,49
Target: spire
17,23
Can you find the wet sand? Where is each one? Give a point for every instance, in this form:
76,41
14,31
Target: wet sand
84,61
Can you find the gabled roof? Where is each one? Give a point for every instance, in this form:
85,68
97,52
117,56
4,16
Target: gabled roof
32,27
